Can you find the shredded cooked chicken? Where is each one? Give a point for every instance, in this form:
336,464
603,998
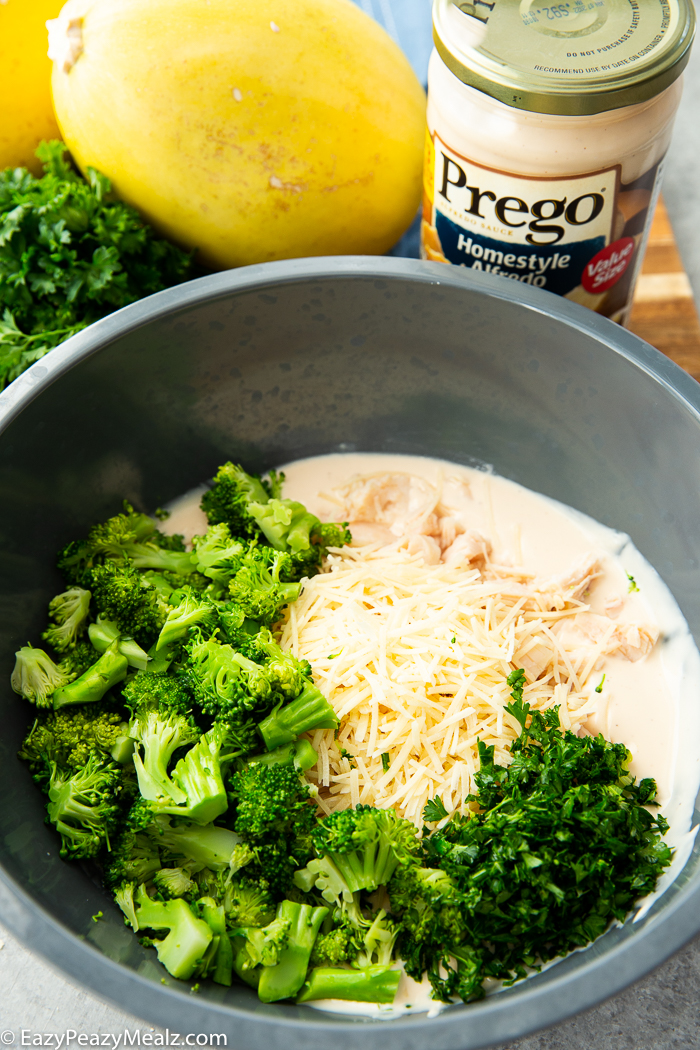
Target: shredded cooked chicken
412,633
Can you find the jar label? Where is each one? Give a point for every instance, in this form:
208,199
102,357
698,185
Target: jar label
577,236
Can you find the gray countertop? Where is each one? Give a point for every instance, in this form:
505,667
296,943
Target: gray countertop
661,1012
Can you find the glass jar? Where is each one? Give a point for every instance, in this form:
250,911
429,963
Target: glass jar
547,129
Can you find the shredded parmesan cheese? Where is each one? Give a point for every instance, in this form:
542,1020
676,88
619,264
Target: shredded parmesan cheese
414,659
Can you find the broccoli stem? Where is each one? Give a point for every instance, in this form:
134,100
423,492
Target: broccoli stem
299,752
159,660
104,632
146,557
368,868
94,683
284,980
209,846
215,916
123,747
375,984
310,710
187,940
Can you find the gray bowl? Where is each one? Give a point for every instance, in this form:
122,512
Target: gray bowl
276,362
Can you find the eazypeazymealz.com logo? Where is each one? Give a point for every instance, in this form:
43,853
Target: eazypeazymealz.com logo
114,1040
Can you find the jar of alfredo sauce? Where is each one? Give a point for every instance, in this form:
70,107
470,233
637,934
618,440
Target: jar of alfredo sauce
547,127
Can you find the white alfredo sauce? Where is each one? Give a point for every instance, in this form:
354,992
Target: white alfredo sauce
649,705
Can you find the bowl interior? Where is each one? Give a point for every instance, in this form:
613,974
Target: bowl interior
284,364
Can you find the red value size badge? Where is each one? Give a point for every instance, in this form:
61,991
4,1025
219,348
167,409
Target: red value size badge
607,267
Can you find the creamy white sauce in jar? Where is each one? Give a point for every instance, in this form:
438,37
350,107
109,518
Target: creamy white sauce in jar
547,128
649,704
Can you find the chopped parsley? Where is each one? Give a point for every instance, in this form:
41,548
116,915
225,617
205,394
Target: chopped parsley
386,761
350,758
632,584
70,254
563,843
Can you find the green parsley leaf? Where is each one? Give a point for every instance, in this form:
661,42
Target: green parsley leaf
434,810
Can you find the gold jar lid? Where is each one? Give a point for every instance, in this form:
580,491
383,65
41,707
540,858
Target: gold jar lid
573,57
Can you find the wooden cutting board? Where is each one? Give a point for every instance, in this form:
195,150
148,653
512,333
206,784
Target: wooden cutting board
664,311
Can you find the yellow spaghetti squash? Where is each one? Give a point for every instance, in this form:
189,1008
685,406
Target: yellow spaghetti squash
250,130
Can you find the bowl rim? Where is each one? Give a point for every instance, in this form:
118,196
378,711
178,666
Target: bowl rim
526,1007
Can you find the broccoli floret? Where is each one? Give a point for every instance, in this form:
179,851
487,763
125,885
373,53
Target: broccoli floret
286,524
258,586
375,984
310,710
286,978
124,595
359,850
288,673
334,948
225,682
92,685
375,944
365,846
68,737
83,806
69,611
191,611
163,692
193,846
248,902
104,632
256,947
134,856
274,816
160,735
77,559
128,527
174,882
198,776
217,555
134,536
331,534
188,937
228,499
124,897
36,677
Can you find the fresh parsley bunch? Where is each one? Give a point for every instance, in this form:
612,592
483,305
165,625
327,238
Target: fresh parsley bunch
70,254
564,842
